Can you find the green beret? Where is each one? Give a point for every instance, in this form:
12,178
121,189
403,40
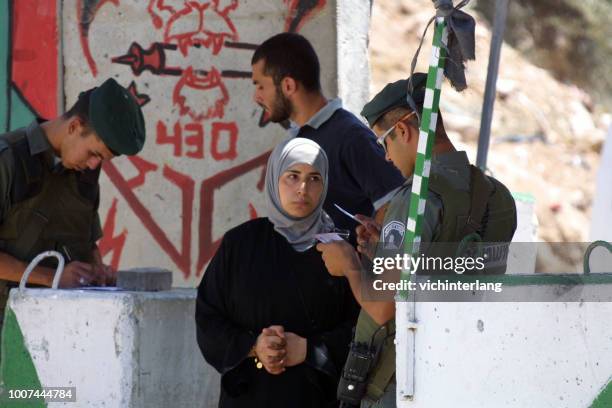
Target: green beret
395,95
117,118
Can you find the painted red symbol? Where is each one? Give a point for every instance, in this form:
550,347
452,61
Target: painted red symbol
87,10
141,99
152,59
181,255
195,23
109,241
199,95
300,11
200,105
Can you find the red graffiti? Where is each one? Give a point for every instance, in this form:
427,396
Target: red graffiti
141,99
197,128
152,59
300,11
34,41
195,139
181,257
212,27
260,187
231,131
175,139
207,244
143,168
188,140
109,241
201,96
87,10
252,211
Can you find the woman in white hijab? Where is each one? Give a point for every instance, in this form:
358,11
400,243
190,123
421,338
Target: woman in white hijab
269,316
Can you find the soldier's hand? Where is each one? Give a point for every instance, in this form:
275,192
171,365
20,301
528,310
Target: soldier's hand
105,275
368,235
339,257
77,274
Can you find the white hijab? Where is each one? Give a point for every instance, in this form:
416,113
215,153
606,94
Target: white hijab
299,232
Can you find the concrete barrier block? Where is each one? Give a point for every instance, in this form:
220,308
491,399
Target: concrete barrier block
118,349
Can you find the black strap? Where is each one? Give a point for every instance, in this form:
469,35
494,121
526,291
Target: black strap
481,190
87,182
28,238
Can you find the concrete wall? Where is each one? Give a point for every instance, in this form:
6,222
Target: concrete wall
119,349
207,143
189,65
507,354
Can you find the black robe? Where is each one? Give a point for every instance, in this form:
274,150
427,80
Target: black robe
255,280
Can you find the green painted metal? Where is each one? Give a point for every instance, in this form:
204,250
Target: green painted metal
5,47
17,370
587,255
604,399
14,111
530,280
21,113
524,197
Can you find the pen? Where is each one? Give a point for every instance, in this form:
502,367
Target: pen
67,253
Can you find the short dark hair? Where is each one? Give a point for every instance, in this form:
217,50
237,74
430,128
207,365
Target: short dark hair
394,115
80,109
289,55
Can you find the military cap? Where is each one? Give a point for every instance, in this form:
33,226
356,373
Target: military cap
116,117
395,95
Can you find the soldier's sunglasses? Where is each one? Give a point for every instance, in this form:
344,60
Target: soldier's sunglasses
381,140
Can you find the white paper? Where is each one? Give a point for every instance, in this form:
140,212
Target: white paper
348,214
328,237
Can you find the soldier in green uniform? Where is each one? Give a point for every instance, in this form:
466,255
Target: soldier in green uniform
49,191
461,201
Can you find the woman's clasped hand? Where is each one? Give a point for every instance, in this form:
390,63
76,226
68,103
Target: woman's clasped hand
277,349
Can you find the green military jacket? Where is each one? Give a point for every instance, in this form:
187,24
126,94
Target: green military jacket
44,206
455,187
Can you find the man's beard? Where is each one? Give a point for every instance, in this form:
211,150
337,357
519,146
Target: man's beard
281,109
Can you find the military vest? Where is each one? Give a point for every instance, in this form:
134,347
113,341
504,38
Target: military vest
487,209
50,210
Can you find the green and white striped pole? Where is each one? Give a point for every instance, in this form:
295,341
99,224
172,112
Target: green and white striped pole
427,131
405,318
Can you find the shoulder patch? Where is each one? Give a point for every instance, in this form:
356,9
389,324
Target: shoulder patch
393,235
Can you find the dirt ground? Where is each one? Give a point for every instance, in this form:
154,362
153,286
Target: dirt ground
546,136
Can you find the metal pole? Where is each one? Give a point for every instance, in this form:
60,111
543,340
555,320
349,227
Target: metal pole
405,312
499,26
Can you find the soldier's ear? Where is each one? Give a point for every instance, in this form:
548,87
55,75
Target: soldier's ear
75,124
404,132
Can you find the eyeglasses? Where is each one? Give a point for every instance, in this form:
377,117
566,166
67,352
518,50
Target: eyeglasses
381,140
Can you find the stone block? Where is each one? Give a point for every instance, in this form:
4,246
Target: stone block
144,279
